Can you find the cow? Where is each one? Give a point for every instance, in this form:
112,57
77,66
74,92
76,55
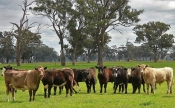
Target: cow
91,80
8,67
105,75
136,78
88,76
23,80
157,75
120,78
60,77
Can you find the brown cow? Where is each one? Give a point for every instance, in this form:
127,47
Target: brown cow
105,75
59,78
23,80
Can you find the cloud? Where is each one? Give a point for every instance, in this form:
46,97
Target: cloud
154,10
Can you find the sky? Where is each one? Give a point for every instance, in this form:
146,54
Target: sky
154,10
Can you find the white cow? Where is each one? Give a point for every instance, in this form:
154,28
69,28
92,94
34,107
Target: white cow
157,75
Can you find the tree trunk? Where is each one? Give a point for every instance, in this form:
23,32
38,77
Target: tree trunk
155,56
100,59
88,56
63,59
18,54
73,57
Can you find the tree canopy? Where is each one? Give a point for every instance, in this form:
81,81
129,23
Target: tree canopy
154,35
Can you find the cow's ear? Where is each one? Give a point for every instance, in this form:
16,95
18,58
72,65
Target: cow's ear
1,68
132,69
125,68
146,66
46,68
10,68
96,66
104,67
138,65
36,68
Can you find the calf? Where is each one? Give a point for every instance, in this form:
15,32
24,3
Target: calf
104,76
121,78
157,75
23,80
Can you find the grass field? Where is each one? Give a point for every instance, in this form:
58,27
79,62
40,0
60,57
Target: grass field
93,100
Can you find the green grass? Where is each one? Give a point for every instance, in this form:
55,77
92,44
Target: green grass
93,100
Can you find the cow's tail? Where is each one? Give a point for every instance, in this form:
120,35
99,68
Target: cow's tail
78,87
63,84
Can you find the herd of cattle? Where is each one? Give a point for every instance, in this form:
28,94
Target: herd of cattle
68,78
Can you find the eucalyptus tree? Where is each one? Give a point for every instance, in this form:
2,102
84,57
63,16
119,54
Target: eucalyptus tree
107,15
20,32
57,11
76,37
154,35
7,50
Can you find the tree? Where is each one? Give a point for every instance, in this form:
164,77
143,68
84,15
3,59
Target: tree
6,46
154,34
21,33
57,12
106,15
76,37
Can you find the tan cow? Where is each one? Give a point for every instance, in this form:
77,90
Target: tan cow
23,80
157,75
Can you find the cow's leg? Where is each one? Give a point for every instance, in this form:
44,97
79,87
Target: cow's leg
139,86
134,88
60,89
115,87
94,87
126,87
30,95
45,92
169,86
153,87
7,92
147,86
105,86
55,89
49,90
143,84
34,92
101,87
13,93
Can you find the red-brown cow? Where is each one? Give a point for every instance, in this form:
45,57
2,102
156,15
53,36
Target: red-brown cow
23,80
105,75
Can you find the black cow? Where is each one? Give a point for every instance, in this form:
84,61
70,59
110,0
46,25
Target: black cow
121,78
105,75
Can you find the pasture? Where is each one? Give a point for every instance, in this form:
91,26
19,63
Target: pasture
93,100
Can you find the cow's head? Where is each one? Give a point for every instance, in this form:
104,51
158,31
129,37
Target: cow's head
5,68
101,69
129,71
142,67
118,70
41,70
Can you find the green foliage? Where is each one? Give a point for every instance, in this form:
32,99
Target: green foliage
154,35
92,100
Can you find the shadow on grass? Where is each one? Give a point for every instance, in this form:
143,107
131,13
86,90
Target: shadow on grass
146,103
169,96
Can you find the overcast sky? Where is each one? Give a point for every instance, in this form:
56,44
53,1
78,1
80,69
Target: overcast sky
154,10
